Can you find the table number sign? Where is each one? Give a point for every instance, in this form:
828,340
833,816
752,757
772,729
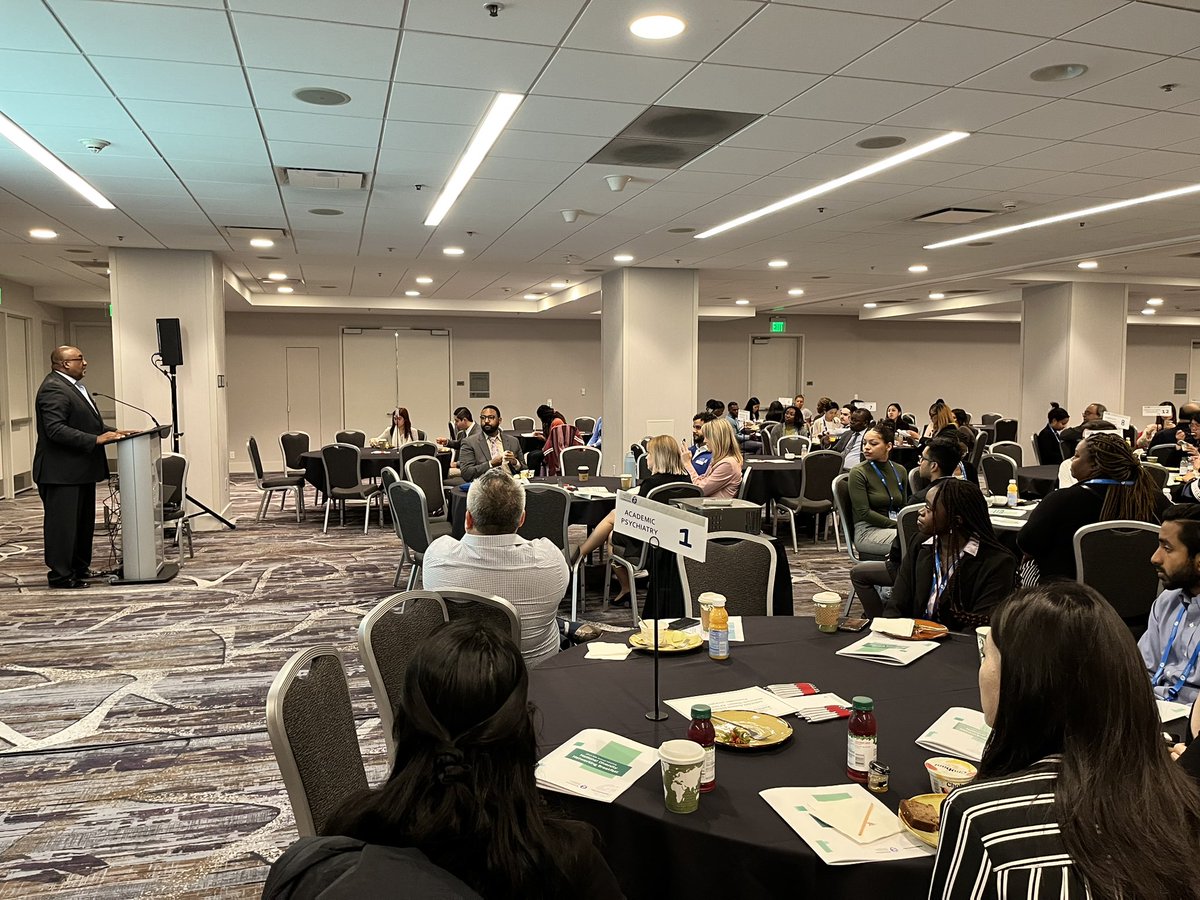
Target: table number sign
1122,422
669,527
1156,411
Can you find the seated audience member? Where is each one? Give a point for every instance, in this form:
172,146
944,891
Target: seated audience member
878,490
488,447
940,458
793,424
594,440
962,418
850,444
955,571
1187,489
754,407
1076,796
399,433
1096,426
774,412
967,436
1071,436
941,422
665,468
493,559
1112,485
895,417
1170,645
461,815
1190,762
701,455
747,436
1162,426
826,426
1049,447
464,427
724,475
804,411
558,435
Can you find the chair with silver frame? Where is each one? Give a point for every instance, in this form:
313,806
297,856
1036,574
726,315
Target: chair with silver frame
477,607
410,518
344,483
271,484
740,567
1114,558
845,521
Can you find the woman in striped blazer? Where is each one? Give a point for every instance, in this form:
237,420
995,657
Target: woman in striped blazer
1077,795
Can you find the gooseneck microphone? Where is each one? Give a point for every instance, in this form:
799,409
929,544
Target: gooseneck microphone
130,405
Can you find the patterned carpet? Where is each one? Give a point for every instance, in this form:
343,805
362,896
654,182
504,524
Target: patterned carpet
134,759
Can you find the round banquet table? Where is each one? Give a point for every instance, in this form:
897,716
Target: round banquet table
753,852
589,511
528,440
1037,480
773,477
372,463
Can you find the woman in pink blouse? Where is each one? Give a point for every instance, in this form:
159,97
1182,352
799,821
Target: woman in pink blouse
724,475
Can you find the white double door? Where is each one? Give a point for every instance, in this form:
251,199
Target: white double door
383,368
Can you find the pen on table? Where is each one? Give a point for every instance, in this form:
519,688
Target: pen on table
863,827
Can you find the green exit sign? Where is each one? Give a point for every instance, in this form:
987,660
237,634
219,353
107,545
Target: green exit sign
778,326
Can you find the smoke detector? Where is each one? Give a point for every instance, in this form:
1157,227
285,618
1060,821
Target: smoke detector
95,145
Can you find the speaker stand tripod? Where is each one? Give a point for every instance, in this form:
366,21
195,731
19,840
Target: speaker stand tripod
175,435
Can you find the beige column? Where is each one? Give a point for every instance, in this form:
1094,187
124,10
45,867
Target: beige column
187,285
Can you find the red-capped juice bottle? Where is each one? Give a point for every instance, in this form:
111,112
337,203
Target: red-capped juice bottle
702,732
861,739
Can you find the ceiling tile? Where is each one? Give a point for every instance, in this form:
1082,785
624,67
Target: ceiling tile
1024,16
1143,87
856,100
356,12
561,115
959,53
907,9
1156,130
87,114
323,156
313,128
1142,26
958,109
50,73
1147,164
737,88
189,169
468,62
239,151
536,171
429,169
605,26
1103,63
794,135
28,25
554,147
1070,157
798,39
200,119
530,21
1079,184
275,90
584,74
999,178
183,82
324,48
1066,119
429,103
149,32
427,137
991,149
742,161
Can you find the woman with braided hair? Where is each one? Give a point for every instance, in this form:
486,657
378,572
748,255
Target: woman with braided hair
1112,484
955,571
460,816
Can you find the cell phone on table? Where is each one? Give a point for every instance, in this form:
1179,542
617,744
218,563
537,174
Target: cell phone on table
849,623
681,624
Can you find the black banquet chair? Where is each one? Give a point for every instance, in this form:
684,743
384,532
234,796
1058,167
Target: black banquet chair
1114,558
343,481
740,566
270,484
351,436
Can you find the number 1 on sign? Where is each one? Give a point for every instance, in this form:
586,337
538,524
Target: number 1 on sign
683,538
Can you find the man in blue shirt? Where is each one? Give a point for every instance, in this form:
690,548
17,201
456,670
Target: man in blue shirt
701,455
1171,645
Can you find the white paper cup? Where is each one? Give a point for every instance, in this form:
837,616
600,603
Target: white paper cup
582,471
981,634
946,773
828,609
681,763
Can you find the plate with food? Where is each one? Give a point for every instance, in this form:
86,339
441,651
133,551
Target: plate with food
910,629
741,729
921,817
669,641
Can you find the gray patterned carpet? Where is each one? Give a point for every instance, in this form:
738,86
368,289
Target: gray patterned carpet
134,759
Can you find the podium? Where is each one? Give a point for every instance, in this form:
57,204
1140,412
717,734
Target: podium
139,467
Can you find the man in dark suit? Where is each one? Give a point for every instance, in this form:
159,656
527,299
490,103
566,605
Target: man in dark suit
489,447
464,427
68,462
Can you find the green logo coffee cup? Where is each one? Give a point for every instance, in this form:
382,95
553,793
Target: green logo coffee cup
681,763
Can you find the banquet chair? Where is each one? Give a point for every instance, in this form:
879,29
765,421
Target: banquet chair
1006,429
1011,449
997,470
737,565
980,447
643,467
845,521
915,480
311,726
351,436
174,475
292,444
410,518
387,477
523,424
547,515
426,473
819,469
571,458
414,450
990,418
1114,558
585,425
906,526
625,548
793,443
1160,474
343,482
388,636
494,611
1161,454
268,485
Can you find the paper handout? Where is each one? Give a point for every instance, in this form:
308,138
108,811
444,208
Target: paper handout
755,699
880,648
959,732
596,764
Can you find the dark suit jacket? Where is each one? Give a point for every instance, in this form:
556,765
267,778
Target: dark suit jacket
67,425
474,458
983,581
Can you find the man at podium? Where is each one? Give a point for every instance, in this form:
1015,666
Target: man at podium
67,463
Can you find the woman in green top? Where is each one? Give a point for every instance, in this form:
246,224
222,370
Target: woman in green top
878,491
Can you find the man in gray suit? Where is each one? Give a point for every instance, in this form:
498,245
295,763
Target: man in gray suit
489,447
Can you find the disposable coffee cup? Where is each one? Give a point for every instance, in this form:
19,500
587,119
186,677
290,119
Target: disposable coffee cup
681,763
828,609
705,602
626,481
583,473
981,634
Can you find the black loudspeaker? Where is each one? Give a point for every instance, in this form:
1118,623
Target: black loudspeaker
170,344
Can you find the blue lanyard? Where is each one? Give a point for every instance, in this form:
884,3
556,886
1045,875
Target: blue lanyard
939,586
887,487
1191,665
1107,481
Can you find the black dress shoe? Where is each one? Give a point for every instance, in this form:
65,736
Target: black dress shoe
90,575
64,584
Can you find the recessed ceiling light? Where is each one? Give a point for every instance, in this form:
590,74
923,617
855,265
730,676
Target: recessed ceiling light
870,305
778,264
741,302
1074,215
453,251
424,279
874,168
622,258
1155,301
262,243
43,234
283,289
657,28
21,139
1088,264
321,96
558,285
883,142
796,292
412,293
1061,72
937,295
918,269
1149,311
277,276
324,211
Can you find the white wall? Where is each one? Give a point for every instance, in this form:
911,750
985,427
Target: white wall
1153,355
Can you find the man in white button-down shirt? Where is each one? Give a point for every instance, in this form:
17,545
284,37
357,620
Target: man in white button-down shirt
493,559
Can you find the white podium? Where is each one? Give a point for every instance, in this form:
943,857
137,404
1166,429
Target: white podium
139,467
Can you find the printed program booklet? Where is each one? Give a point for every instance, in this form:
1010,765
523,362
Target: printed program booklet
890,652
596,764
958,732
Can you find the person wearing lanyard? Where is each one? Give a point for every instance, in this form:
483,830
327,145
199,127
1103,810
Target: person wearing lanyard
850,445
1170,647
877,494
955,571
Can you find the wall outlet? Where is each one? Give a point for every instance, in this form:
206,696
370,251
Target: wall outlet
232,455
583,392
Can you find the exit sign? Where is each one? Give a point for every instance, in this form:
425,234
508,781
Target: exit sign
778,326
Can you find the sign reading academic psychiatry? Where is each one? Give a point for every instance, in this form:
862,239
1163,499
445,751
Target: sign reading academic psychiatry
669,527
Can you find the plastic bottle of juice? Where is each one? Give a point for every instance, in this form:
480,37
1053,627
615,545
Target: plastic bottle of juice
1013,494
718,631
861,745
702,732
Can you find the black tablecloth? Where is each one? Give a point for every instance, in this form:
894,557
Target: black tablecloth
772,480
528,442
735,839
373,462
589,511
907,456
1037,480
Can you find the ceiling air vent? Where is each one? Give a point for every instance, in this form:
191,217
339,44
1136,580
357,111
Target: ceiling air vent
95,266
953,215
322,179
246,233
669,137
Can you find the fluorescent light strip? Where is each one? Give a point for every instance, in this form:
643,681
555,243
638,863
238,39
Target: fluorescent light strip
865,172
497,117
22,139
1068,216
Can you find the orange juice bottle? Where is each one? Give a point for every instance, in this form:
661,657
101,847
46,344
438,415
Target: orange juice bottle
718,630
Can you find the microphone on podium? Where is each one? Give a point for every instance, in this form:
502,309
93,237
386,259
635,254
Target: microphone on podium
130,405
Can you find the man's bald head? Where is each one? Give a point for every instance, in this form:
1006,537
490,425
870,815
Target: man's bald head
68,360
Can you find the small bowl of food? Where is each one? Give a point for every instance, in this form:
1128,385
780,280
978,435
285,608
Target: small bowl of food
946,773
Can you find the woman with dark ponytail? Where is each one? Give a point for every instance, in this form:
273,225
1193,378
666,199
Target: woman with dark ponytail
462,792
1047,442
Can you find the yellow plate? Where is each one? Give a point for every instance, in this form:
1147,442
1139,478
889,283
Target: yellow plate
772,728
925,837
669,641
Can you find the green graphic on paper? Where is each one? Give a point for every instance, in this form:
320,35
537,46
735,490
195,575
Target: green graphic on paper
973,731
831,798
881,648
612,760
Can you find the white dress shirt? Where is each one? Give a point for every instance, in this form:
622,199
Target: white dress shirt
79,387
531,575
